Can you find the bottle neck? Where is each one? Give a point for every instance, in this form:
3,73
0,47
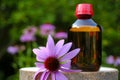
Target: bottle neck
84,16
82,22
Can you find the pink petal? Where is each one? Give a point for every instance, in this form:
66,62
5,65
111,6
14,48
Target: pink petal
44,75
70,55
117,62
41,47
41,54
50,45
69,70
40,65
46,52
36,51
64,49
39,59
53,76
67,64
36,74
58,46
60,76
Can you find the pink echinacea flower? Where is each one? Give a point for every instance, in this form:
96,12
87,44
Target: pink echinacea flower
47,29
27,38
113,60
28,34
117,62
12,49
54,59
30,30
61,35
110,59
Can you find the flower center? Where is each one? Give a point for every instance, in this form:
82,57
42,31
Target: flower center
52,64
30,30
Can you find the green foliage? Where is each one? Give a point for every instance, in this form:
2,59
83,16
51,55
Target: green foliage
15,15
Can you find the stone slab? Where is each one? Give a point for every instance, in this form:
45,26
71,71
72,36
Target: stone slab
105,73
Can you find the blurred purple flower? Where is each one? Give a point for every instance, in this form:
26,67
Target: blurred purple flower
61,35
110,59
53,59
28,34
46,29
27,38
12,49
117,62
30,30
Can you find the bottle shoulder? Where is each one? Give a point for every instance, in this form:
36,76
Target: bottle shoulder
86,25
84,22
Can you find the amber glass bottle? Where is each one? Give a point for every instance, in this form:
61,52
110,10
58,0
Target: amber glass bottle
86,35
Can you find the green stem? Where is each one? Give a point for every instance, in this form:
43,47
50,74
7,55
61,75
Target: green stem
28,54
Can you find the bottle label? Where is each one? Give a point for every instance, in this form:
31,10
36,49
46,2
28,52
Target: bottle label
85,29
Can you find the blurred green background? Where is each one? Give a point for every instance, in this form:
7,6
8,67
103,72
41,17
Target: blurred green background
15,15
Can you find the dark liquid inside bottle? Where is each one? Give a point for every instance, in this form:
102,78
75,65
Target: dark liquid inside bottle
88,39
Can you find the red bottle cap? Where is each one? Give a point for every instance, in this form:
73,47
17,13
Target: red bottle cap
84,9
